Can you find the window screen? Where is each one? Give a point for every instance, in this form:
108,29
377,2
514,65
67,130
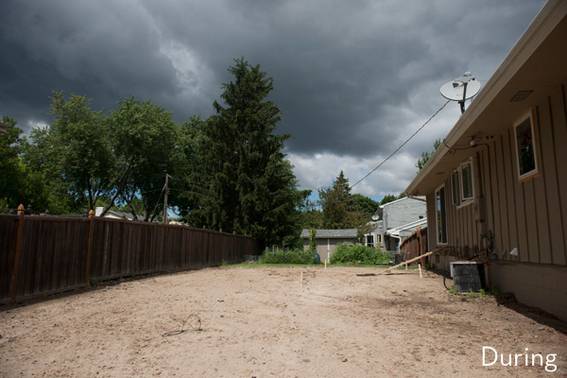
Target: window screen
466,175
441,215
456,188
525,147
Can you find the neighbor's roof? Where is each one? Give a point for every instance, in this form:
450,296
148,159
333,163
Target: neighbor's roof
421,223
536,63
402,199
345,233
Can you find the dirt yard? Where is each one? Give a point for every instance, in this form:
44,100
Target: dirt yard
262,322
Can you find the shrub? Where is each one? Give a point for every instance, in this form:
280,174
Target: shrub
359,254
292,256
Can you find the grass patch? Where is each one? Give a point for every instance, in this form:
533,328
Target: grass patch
290,256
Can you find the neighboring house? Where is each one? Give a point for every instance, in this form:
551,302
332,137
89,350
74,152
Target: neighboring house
114,214
497,187
401,213
327,240
375,235
398,234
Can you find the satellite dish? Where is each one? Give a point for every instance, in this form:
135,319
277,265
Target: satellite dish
375,218
461,89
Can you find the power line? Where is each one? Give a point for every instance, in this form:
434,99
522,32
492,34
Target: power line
401,145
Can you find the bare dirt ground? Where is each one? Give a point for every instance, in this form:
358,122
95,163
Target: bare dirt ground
264,322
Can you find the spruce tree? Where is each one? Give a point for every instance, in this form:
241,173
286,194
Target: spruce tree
251,186
336,202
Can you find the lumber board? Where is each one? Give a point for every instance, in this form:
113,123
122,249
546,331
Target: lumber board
407,262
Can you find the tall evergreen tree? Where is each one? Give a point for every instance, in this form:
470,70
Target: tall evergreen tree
251,186
337,204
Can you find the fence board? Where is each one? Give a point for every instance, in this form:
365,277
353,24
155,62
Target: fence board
54,251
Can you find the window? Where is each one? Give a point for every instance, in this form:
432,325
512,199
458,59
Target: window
370,240
462,184
525,147
456,188
467,181
441,215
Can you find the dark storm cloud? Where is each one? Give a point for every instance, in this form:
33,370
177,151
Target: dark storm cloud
351,77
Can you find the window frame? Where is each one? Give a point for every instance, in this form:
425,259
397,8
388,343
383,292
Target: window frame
456,192
459,193
370,244
466,200
437,190
521,177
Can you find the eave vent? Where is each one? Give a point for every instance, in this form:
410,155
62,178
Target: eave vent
521,95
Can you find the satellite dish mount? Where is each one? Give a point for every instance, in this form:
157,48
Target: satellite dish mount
461,89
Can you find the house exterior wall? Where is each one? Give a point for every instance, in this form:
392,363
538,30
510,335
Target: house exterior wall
378,235
528,215
402,212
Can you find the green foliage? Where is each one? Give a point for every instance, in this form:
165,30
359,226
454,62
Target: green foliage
144,139
250,187
293,256
48,190
312,240
336,203
11,175
388,198
359,254
228,172
81,148
363,204
20,180
341,209
425,156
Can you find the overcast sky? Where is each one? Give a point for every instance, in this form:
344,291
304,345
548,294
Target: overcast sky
352,78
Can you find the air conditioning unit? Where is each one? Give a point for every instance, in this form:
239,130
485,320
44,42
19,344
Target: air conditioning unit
468,275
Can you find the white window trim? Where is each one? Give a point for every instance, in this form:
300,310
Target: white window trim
468,200
436,219
534,171
458,173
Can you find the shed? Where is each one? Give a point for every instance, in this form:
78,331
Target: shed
327,240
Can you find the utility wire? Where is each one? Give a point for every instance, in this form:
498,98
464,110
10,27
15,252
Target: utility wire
401,145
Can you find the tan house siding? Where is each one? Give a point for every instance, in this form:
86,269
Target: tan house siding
509,213
528,214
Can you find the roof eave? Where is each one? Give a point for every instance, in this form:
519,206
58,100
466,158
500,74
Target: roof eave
542,25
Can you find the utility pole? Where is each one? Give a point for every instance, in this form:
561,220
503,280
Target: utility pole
166,192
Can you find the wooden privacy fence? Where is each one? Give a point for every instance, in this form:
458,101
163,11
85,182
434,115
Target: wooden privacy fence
41,255
415,245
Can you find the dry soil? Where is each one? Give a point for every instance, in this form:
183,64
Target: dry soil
227,322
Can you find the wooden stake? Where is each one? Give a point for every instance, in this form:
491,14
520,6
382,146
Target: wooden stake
406,266
420,273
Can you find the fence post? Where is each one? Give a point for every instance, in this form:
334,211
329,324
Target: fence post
90,231
18,252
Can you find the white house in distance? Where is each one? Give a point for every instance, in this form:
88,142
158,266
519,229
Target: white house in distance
114,214
396,220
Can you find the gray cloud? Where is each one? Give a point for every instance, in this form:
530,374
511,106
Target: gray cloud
351,78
